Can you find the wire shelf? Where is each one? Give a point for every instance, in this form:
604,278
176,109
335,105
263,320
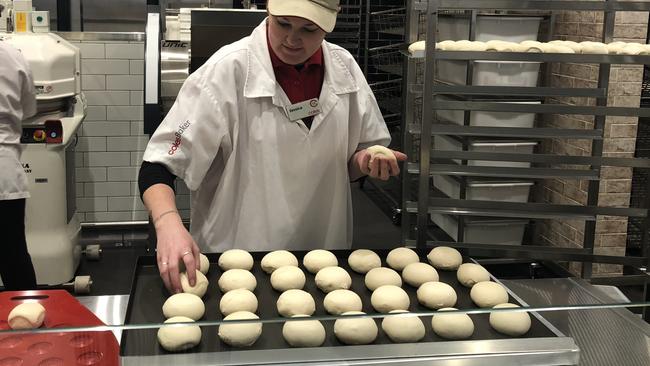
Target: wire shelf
389,98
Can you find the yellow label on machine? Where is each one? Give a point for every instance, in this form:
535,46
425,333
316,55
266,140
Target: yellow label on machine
21,22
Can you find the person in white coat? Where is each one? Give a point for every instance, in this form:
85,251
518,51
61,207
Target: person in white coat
17,102
267,135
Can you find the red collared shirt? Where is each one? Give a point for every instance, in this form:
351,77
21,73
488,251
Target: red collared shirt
303,83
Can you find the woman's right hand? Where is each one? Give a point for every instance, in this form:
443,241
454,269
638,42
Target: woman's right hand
175,244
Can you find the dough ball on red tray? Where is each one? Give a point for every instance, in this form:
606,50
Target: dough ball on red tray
278,258
28,315
235,259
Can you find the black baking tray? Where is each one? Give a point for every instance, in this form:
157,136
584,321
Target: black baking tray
148,295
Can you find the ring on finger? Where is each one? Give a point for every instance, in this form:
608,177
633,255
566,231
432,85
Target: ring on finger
186,253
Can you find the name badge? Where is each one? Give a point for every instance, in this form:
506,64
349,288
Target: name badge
302,110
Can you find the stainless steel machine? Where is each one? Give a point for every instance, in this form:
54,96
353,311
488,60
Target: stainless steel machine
49,139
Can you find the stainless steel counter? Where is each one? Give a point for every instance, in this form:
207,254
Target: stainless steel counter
604,336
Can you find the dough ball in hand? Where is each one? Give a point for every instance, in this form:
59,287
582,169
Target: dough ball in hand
363,260
318,259
278,258
403,329
199,288
445,258
187,305
399,258
303,333
381,276
379,150
235,259
179,338
452,326
514,324
488,294
353,331
329,279
238,300
28,315
234,279
240,334
204,264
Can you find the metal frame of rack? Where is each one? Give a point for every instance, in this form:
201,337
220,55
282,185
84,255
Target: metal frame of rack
420,84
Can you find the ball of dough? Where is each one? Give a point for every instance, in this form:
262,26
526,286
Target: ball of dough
235,259
277,259
199,288
399,258
186,305
514,324
474,46
403,329
447,45
287,278
415,274
28,315
303,333
436,295
532,46
594,48
487,294
470,274
388,298
379,150
363,260
329,279
381,276
445,258
615,47
236,278
238,300
417,46
318,259
355,330
295,302
632,49
180,338
503,46
204,264
452,326
341,301
240,334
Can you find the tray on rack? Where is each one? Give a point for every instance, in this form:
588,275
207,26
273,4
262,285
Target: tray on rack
148,295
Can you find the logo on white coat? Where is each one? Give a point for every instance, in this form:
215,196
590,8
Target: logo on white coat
178,134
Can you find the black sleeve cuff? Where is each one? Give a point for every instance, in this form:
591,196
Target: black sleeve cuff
154,173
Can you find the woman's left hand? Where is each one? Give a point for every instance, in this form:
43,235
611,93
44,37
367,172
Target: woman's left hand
379,165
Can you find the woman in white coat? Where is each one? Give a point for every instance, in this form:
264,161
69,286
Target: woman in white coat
17,102
267,135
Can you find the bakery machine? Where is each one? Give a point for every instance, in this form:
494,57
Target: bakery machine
49,139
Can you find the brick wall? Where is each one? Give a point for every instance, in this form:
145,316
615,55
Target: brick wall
619,134
111,139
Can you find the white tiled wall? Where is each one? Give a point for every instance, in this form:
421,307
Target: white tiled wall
111,139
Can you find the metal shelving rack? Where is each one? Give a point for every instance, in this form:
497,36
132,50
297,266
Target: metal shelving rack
420,84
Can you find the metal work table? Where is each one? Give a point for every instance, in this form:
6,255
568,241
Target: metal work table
604,336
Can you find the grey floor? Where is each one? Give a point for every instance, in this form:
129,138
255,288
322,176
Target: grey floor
113,274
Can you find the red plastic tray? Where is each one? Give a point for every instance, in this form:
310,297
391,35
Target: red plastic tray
62,310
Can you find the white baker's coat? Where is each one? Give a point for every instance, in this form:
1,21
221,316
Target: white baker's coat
17,102
259,181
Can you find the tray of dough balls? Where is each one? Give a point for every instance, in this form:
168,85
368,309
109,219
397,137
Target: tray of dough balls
338,285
